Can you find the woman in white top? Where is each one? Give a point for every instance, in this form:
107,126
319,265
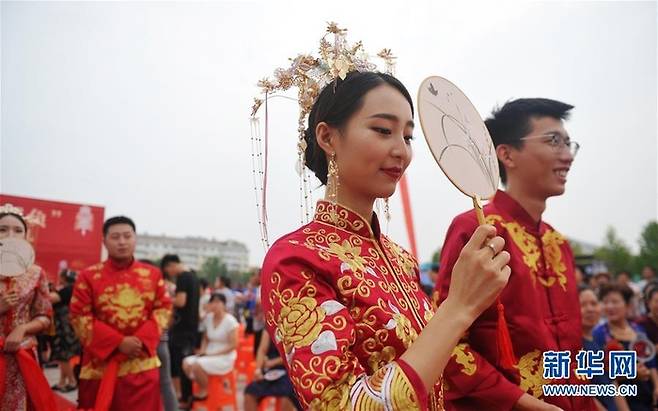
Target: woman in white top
217,353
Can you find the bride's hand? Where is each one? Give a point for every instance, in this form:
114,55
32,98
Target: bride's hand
15,338
480,273
8,300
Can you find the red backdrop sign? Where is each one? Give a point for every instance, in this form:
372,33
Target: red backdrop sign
64,235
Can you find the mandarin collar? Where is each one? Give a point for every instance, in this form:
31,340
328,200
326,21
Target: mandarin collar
346,219
115,265
504,202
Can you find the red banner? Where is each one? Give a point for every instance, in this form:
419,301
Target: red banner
408,216
64,235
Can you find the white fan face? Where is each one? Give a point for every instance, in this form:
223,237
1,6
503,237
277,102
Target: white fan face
458,138
16,256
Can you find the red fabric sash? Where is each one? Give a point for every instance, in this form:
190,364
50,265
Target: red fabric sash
39,392
36,385
108,382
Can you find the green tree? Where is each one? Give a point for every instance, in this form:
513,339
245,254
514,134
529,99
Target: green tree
614,252
649,246
436,257
212,269
576,248
241,278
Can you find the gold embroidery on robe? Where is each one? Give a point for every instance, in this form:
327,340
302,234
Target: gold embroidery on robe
300,322
342,303
465,359
94,370
403,259
531,252
552,241
531,370
162,317
387,389
337,216
142,272
125,303
379,359
349,254
82,327
336,396
403,329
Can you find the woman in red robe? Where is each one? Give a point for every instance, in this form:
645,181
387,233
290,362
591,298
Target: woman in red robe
342,301
25,311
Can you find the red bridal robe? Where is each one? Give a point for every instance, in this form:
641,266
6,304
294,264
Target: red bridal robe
343,303
33,302
109,303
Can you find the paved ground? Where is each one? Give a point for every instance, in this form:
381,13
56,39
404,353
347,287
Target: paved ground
52,374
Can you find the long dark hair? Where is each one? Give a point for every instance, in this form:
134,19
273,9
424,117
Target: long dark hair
335,104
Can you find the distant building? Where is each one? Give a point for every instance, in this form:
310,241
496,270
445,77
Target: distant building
193,251
585,259
583,247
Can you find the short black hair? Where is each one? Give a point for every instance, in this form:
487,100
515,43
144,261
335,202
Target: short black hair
69,276
217,296
625,291
226,281
603,274
168,259
203,283
117,220
584,287
623,272
509,123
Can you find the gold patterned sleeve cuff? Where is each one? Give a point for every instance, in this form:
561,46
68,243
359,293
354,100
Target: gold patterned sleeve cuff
388,388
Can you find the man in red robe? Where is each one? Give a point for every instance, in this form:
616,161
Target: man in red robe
540,301
119,309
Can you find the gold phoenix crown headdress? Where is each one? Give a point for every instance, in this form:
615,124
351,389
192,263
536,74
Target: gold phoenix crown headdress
309,75
32,219
9,208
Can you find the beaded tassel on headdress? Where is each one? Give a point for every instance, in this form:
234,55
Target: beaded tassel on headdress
309,75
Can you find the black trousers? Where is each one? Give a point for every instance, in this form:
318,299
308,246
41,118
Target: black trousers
181,346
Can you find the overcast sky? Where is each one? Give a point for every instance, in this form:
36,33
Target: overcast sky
144,107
